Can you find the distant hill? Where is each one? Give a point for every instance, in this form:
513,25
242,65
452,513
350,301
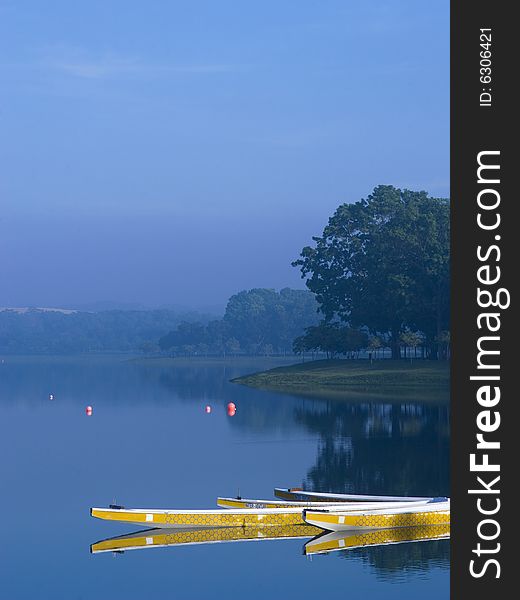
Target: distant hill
25,330
103,305
23,309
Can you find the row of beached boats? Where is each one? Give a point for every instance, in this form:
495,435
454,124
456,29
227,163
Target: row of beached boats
295,507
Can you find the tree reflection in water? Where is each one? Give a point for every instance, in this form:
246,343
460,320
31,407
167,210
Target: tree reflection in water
397,562
379,448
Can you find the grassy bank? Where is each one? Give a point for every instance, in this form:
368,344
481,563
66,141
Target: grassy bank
354,375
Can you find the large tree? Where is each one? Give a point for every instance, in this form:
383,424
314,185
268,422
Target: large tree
383,263
264,316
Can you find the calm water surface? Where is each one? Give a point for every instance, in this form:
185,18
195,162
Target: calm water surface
149,443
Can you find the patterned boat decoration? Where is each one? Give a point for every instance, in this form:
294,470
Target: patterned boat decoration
247,517
434,512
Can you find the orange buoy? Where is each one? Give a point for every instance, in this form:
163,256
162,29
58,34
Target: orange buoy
88,411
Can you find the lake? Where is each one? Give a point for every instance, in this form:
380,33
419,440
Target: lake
150,443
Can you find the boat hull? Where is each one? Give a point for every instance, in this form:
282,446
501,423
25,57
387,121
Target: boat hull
261,504
245,503
201,518
298,495
228,517
378,519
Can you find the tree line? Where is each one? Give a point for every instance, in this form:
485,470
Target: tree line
382,266
53,332
377,278
256,321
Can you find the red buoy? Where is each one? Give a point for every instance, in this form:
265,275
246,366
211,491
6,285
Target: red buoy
88,411
207,409
231,409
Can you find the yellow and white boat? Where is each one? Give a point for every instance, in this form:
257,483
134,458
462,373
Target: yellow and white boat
343,540
241,517
161,538
434,512
201,518
299,495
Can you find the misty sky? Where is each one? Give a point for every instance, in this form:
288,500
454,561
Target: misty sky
164,152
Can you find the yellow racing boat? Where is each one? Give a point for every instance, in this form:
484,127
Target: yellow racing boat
228,517
201,518
433,512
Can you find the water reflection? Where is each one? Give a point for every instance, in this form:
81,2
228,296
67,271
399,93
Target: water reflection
342,541
370,547
161,538
383,443
395,563
379,448
150,443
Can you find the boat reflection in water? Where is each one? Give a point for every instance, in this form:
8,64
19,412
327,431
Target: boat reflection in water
348,540
160,538
321,542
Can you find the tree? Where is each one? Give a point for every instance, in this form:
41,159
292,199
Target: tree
268,350
300,346
411,339
261,316
330,338
70,332
232,346
184,338
149,347
383,263
374,344
217,334
260,321
443,339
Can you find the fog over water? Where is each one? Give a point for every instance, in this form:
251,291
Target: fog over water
175,153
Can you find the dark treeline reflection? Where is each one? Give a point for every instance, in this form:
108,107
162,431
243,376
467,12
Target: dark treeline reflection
379,448
396,562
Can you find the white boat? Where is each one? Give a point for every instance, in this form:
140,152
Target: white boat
299,495
261,504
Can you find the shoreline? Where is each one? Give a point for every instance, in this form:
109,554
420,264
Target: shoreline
339,376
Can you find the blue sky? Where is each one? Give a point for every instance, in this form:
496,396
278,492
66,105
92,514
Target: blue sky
167,152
